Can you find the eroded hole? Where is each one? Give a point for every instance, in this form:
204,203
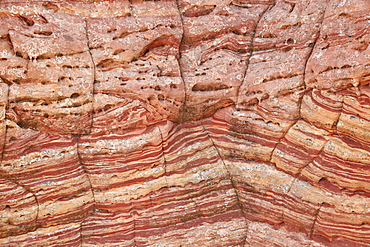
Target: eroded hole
209,87
237,32
118,51
27,20
122,35
75,95
287,49
43,33
106,63
18,54
325,183
160,97
290,41
241,51
122,78
112,30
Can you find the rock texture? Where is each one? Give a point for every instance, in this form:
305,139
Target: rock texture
185,123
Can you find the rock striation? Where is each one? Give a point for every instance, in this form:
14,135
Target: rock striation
185,123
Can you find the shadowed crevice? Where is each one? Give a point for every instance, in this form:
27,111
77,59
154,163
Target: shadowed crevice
305,89
93,74
8,178
84,169
229,176
314,221
183,107
252,48
89,181
5,123
314,44
164,157
308,58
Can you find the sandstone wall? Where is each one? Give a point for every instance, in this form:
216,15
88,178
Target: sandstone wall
185,123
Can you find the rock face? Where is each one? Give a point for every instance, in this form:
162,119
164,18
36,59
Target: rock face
185,123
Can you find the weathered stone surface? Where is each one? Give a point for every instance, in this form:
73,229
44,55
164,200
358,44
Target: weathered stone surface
270,96
45,60
214,57
137,74
47,166
340,58
185,123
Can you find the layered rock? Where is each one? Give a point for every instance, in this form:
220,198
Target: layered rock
184,123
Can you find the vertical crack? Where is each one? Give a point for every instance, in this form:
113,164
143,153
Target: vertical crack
229,176
183,107
314,221
134,222
8,83
164,175
335,124
81,233
84,169
7,176
251,49
303,167
303,78
88,179
93,74
314,44
308,58
5,122
3,144
164,157
26,188
281,138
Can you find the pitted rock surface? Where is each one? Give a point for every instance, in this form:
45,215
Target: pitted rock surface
185,123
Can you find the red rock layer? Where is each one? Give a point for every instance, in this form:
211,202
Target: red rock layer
185,123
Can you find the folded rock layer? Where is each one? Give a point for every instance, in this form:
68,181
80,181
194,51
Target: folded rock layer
185,123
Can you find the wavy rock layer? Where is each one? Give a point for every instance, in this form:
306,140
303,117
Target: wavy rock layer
185,123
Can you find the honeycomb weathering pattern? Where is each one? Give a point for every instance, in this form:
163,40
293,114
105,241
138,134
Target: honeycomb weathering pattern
185,123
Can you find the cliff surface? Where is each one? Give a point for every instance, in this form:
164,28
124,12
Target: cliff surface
185,123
